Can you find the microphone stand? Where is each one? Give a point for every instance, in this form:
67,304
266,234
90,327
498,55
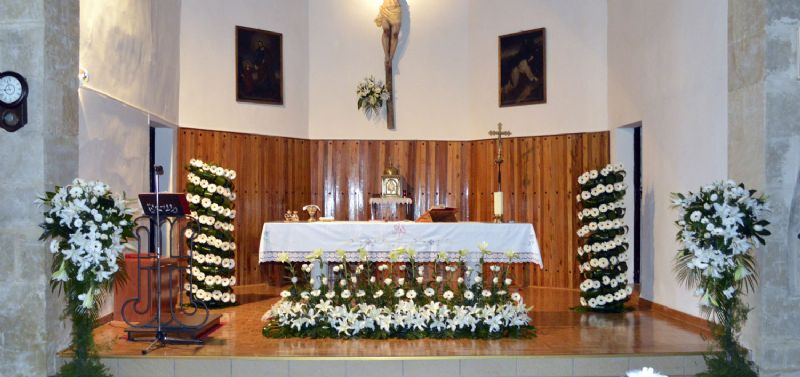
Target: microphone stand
160,337
181,322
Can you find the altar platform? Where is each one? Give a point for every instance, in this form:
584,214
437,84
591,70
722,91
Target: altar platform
568,344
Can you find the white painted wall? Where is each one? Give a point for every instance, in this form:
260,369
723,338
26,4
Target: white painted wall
114,144
208,70
431,70
130,49
576,65
446,73
667,66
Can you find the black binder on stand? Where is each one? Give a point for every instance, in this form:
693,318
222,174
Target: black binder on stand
182,320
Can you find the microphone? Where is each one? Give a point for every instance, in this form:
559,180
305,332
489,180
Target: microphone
158,169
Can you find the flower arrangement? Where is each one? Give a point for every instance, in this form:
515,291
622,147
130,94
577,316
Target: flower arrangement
209,191
372,94
399,300
87,226
718,226
644,372
604,242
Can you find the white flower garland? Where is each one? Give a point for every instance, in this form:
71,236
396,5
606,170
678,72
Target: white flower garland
210,194
603,232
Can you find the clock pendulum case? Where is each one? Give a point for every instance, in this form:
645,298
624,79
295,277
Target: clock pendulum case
13,101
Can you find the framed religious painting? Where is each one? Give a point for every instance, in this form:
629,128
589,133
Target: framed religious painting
259,66
523,78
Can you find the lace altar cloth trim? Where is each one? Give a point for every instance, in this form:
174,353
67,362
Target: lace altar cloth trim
383,256
379,238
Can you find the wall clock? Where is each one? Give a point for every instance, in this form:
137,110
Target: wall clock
13,101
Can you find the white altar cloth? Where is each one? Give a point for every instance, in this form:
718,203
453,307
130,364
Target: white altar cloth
379,238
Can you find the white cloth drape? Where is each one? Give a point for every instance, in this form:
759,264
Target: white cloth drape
379,238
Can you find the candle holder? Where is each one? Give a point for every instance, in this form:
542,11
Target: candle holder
498,218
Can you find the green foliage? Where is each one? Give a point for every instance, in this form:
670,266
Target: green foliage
731,358
84,362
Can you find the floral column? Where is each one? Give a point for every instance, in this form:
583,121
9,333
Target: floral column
603,234
210,194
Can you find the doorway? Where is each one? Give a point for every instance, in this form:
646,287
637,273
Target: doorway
637,203
627,150
161,153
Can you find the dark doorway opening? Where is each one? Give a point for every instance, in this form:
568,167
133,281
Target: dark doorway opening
637,202
152,159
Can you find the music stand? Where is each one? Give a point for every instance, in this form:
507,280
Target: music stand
157,206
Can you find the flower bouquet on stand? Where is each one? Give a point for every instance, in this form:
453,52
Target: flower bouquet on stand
602,254
209,191
718,227
87,226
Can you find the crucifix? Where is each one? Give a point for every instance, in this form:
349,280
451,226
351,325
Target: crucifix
498,195
389,19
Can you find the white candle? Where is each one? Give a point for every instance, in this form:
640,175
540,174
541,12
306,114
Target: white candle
498,203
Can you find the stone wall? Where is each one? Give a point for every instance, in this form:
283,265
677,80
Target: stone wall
39,40
764,152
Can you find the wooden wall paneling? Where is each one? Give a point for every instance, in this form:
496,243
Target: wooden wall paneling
370,167
466,168
544,225
419,182
329,184
570,218
478,200
264,170
321,189
365,181
277,173
438,172
340,168
248,204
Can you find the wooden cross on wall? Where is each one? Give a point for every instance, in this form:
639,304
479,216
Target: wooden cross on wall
499,160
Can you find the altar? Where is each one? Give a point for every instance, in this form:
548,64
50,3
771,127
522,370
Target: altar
380,238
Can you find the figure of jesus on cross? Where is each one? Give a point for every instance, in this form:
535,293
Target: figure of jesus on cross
389,19
498,195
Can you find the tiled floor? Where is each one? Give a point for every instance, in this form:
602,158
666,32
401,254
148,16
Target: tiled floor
568,344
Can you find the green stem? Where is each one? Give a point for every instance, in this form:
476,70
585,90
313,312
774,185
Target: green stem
83,341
